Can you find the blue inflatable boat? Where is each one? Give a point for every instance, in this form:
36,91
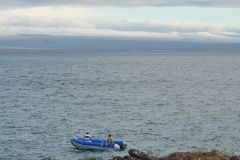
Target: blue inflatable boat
97,144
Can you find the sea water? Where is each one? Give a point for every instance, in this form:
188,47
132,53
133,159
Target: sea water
158,102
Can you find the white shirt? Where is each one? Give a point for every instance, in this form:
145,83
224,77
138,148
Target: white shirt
87,137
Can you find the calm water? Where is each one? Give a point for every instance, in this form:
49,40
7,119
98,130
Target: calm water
159,102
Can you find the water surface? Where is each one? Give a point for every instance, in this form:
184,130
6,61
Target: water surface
159,102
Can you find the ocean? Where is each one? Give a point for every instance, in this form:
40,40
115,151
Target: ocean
158,102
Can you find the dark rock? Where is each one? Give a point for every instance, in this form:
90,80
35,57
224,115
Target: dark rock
163,158
225,158
144,156
118,158
138,154
191,156
135,153
177,156
128,157
235,158
90,159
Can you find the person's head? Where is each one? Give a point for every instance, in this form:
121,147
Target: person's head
109,135
87,133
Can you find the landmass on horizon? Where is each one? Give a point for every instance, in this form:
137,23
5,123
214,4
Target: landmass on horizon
71,43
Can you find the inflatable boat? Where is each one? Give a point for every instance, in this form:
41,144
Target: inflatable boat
97,144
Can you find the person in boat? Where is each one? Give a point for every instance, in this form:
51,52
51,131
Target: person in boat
87,137
110,139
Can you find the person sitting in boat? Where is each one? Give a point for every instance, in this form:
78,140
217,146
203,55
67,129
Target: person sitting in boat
87,137
110,139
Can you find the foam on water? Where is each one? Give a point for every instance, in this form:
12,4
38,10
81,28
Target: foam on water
159,102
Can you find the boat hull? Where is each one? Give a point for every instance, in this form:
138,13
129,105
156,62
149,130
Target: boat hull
81,144
121,143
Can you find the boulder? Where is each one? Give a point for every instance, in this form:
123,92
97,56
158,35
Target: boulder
144,156
191,156
128,157
177,156
153,158
135,153
163,158
90,159
235,158
118,158
138,154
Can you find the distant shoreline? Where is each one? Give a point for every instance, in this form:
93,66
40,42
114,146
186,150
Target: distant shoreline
47,50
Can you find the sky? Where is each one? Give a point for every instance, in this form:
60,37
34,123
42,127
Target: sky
170,20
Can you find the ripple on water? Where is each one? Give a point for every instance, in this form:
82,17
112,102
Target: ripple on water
158,102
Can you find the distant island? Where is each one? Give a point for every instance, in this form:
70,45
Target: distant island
76,44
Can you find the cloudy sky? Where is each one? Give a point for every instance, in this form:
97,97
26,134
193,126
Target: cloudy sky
181,20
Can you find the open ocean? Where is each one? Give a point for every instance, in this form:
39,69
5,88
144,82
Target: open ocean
158,102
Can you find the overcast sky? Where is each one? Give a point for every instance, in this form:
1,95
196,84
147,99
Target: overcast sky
192,20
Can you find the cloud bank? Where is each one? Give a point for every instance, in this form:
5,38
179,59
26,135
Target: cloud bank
68,21
82,18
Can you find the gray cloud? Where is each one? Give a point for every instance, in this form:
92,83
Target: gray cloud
181,27
77,21
118,3
119,28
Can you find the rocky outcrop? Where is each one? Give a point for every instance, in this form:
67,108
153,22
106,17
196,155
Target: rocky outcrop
138,154
90,159
235,158
135,154
128,157
118,158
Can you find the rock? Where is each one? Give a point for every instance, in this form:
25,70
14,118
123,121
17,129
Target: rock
190,156
235,158
128,157
118,158
153,158
225,158
135,153
90,159
177,156
138,154
144,156
163,158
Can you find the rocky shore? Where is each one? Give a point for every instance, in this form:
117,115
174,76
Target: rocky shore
135,154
